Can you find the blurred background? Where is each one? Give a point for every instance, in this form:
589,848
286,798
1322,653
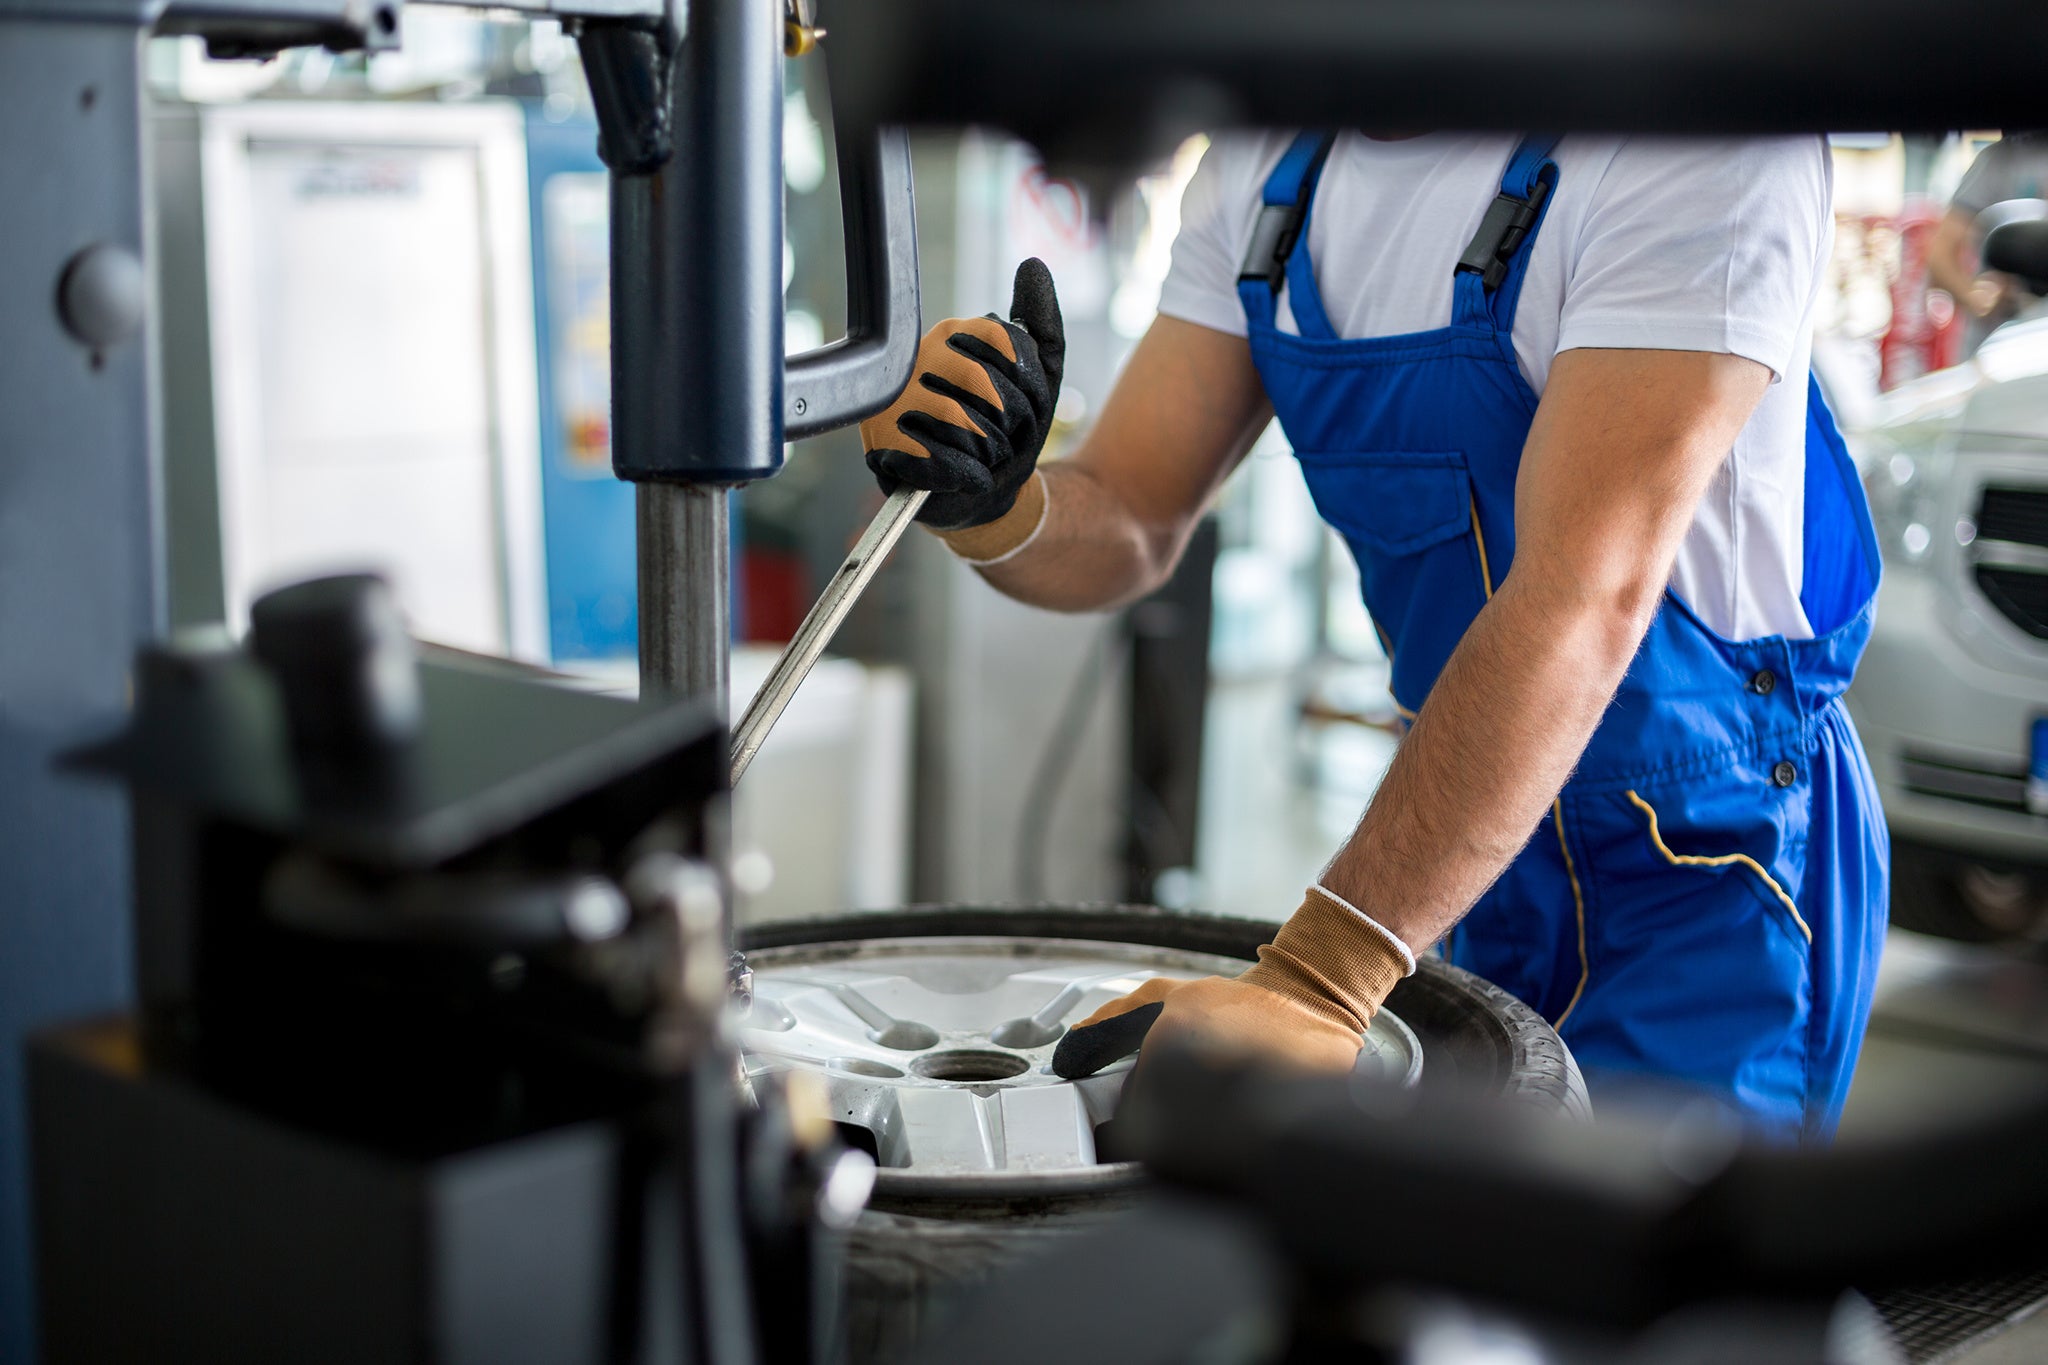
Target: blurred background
385,344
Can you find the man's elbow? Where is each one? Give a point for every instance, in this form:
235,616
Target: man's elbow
1152,551
1608,613
1620,615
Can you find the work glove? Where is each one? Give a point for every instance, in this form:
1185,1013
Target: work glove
1305,1004
973,419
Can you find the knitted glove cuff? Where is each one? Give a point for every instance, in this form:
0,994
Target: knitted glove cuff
1009,534
1332,959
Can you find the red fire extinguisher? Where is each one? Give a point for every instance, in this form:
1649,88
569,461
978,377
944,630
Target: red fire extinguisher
1926,331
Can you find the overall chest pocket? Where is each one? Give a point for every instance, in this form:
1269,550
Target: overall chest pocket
1412,525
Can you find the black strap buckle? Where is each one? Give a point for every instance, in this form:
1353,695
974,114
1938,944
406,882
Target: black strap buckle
1503,229
1272,241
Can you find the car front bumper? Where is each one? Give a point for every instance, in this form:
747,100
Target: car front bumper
1947,733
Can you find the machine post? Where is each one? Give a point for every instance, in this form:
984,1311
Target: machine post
693,134
82,583
685,588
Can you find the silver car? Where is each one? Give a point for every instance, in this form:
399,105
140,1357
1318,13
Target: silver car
1952,698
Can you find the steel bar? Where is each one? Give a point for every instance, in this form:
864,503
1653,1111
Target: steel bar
685,567
818,628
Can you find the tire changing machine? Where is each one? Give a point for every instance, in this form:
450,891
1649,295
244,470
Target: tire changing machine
430,952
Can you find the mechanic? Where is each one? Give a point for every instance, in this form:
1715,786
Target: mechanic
1554,394
2014,167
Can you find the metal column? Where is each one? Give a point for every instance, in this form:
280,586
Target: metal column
696,307
685,588
79,583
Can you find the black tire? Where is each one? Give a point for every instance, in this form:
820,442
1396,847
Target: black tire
1473,1032
904,1269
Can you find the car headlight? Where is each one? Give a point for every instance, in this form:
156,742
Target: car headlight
1898,488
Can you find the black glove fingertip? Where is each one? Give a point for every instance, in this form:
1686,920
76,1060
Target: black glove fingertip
1035,306
1085,1051
1034,303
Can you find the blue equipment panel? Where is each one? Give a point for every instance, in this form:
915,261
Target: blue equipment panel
593,610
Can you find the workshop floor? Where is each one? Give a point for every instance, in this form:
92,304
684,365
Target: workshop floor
1277,797
1956,1026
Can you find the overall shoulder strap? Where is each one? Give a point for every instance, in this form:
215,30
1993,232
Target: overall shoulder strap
1282,220
1489,273
1532,154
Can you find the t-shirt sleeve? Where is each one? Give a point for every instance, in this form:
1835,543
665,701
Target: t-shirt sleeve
1702,246
1987,182
1215,219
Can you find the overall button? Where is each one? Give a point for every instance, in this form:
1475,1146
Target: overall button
1763,682
1784,774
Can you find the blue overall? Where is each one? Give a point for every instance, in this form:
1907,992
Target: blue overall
1706,900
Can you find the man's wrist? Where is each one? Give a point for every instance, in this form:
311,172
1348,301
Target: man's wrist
1009,534
1393,940
1331,958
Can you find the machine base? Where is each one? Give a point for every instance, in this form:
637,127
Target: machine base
174,1224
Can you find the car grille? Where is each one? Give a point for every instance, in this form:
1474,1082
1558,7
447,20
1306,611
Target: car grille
2021,594
2009,518
2000,786
2018,515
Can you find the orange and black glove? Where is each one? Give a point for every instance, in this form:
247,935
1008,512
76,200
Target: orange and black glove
970,425
1304,1004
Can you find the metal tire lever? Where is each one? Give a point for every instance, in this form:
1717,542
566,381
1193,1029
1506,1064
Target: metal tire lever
852,578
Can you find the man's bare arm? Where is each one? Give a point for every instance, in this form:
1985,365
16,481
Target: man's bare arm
1620,454
1952,254
1952,264
1183,413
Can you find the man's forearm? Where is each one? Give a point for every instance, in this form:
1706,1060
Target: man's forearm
1952,256
1183,413
1091,553
1498,736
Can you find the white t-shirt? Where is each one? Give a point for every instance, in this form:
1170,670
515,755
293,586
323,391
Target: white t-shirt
1648,243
